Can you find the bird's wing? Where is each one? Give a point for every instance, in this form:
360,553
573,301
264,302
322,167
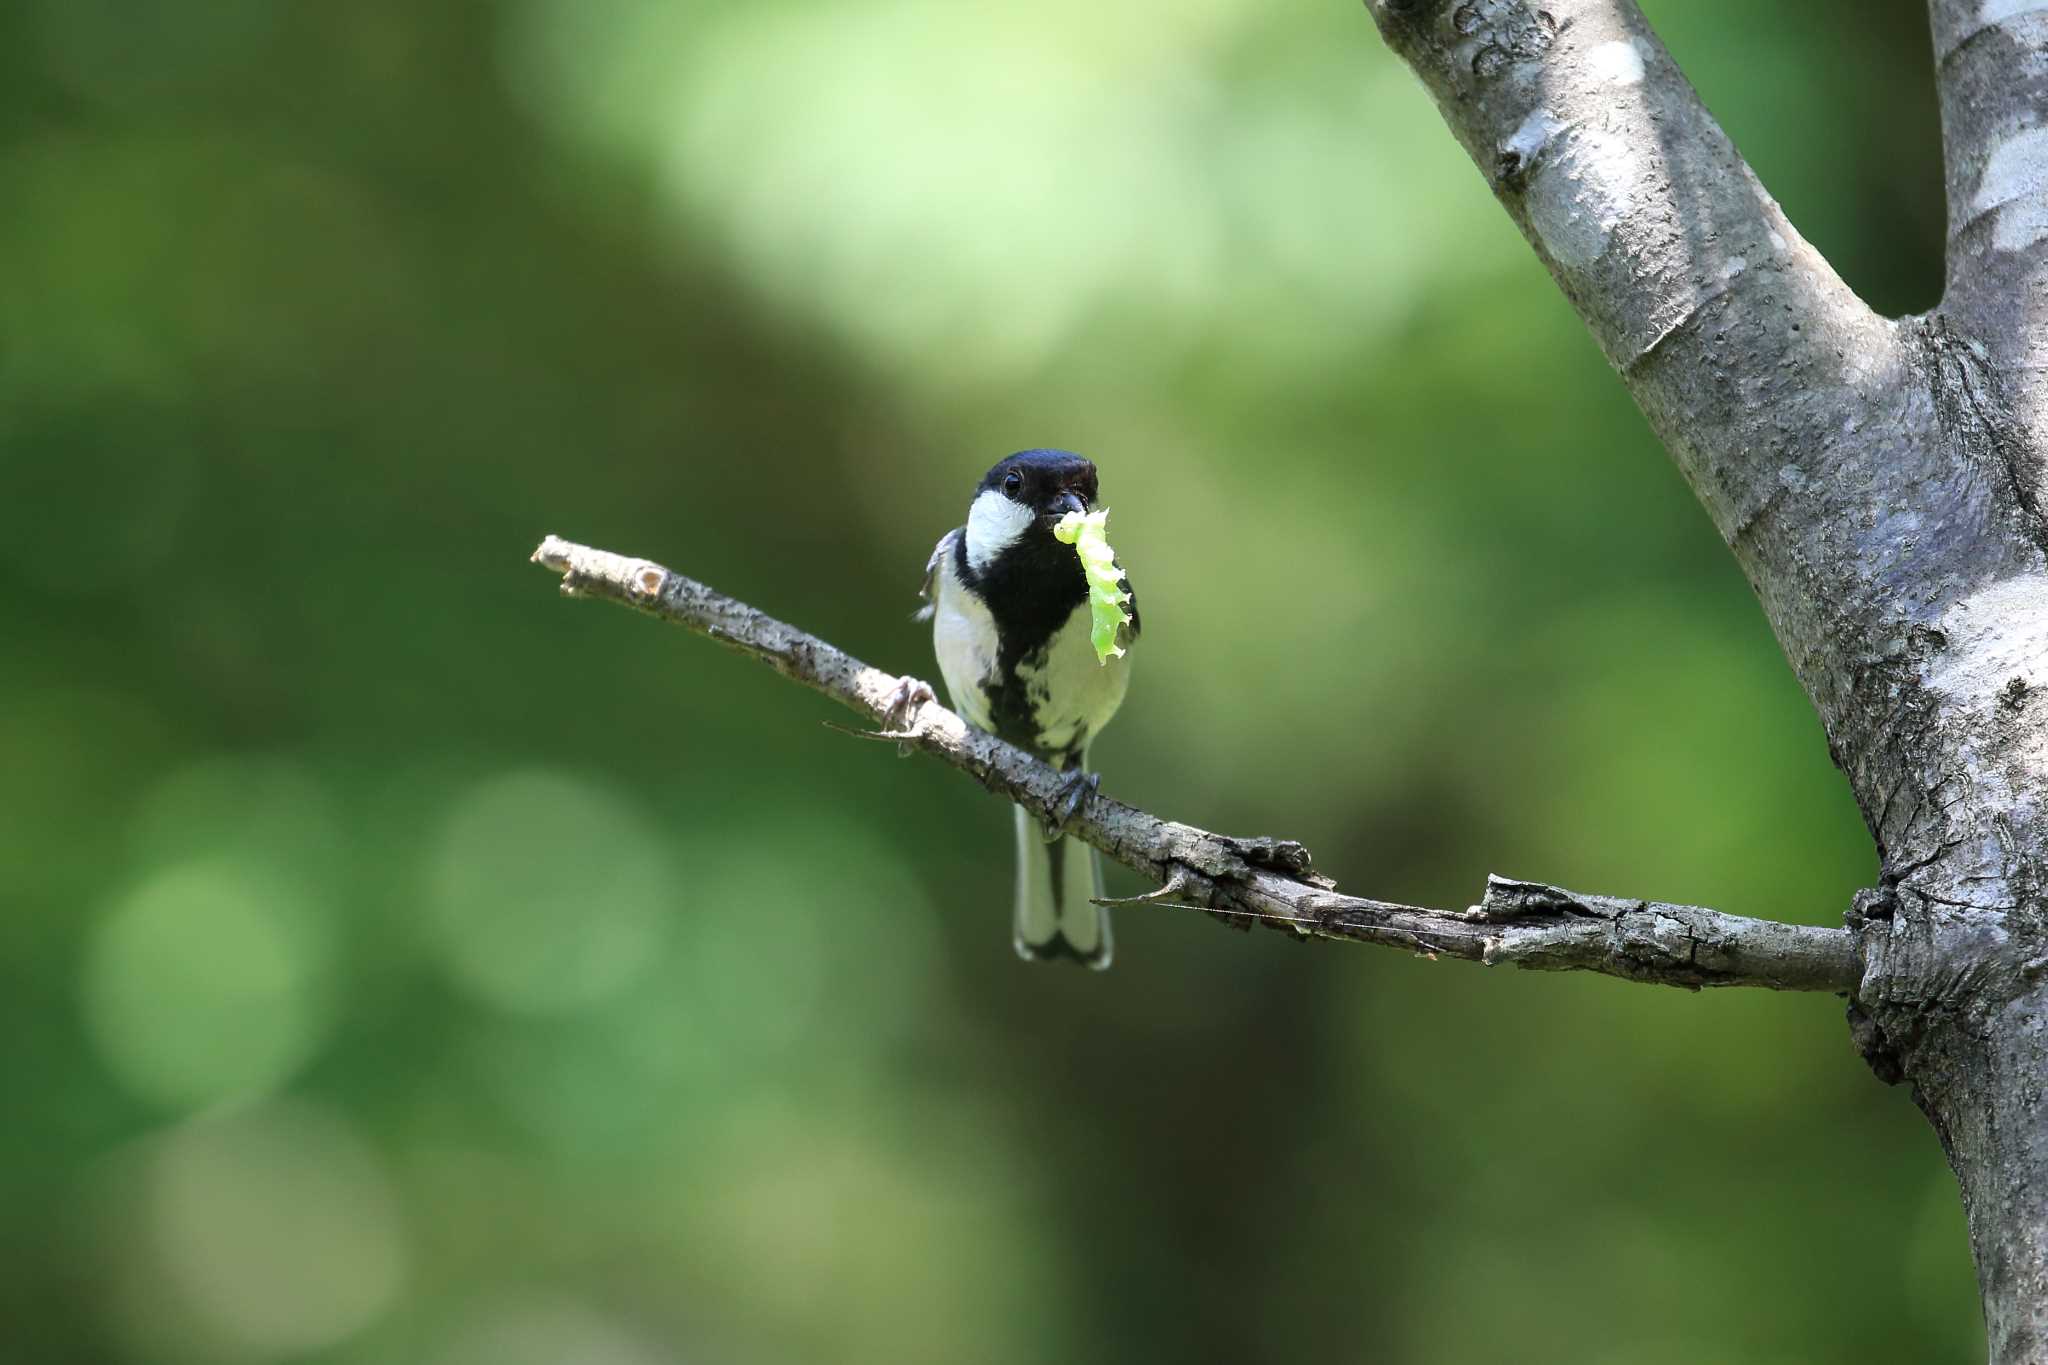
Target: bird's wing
931,576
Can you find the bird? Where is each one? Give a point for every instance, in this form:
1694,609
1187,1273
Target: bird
1010,616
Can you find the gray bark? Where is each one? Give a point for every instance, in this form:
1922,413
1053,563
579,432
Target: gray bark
1878,480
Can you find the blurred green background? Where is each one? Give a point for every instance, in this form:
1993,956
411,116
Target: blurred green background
402,964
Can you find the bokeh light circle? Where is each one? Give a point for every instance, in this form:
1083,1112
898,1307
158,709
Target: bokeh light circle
277,1227
548,893
202,983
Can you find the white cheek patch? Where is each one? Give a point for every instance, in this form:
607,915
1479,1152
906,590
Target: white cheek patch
994,524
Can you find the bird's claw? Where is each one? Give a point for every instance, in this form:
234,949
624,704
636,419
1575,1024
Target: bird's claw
1075,788
910,693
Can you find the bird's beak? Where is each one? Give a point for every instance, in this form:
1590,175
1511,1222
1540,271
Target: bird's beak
1063,504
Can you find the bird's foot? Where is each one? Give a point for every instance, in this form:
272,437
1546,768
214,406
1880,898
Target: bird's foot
1075,788
910,694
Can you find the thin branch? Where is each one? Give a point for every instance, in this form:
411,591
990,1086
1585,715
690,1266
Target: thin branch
1264,881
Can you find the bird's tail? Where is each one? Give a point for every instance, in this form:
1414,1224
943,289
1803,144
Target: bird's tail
1054,882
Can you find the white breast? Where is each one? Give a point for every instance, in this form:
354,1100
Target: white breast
1071,694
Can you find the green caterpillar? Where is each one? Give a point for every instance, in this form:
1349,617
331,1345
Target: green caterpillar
1088,533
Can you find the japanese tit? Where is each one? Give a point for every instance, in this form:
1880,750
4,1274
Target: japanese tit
1010,625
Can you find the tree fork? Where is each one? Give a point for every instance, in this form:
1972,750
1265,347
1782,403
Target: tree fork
1879,481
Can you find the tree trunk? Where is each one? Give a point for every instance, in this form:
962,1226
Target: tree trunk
1879,480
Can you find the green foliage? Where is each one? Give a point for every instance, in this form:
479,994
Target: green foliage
403,964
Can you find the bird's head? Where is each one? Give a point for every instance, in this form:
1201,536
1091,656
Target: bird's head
1024,497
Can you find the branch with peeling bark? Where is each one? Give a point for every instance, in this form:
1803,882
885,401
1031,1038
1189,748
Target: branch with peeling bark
1250,880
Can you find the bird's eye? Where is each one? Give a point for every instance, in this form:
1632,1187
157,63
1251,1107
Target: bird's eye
1013,484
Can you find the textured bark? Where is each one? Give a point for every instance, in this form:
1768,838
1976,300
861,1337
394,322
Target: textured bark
1245,881
1879,483
1992,76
